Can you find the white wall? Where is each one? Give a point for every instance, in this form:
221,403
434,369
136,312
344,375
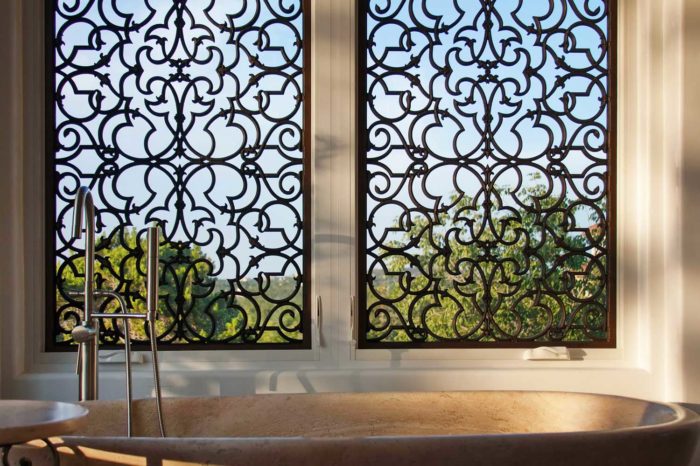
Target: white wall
657,247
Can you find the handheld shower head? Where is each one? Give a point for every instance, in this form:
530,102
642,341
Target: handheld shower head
153,239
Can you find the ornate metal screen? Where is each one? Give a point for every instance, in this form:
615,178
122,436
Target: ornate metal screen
486,173
192,114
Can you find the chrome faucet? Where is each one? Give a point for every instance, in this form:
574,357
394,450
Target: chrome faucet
86,334
126,316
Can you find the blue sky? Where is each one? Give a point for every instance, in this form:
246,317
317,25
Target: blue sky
460,136
222,140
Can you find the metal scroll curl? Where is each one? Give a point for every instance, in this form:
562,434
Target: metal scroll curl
486,172
189,113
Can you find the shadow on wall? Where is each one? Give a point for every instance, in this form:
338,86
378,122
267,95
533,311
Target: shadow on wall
691,199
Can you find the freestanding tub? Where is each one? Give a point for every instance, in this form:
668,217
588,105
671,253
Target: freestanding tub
450,428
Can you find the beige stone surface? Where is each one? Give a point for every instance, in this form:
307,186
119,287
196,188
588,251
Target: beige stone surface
24,420
455,428
378,414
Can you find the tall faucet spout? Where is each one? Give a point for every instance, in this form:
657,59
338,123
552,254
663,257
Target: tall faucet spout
82,203
84,215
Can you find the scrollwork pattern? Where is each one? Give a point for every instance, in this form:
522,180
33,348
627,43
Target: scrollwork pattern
188,113
486,172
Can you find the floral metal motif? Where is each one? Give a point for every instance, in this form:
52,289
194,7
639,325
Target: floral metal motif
486,177
188,113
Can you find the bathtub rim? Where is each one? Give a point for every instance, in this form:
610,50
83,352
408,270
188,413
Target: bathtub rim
682,416
681,438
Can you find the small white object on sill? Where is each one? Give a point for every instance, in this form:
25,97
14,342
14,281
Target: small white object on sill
548,353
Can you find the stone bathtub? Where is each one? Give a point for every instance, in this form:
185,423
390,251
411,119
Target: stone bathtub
456,428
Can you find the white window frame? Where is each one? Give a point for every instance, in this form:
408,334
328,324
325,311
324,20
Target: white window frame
649,253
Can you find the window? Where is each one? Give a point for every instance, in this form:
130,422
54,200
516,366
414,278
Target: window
486,173
486,169
193,115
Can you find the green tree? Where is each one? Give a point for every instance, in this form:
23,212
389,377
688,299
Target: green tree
486,271
212,309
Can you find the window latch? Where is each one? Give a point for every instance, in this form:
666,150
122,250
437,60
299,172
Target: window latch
319,308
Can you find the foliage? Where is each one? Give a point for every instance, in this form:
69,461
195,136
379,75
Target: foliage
483,270
209,309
